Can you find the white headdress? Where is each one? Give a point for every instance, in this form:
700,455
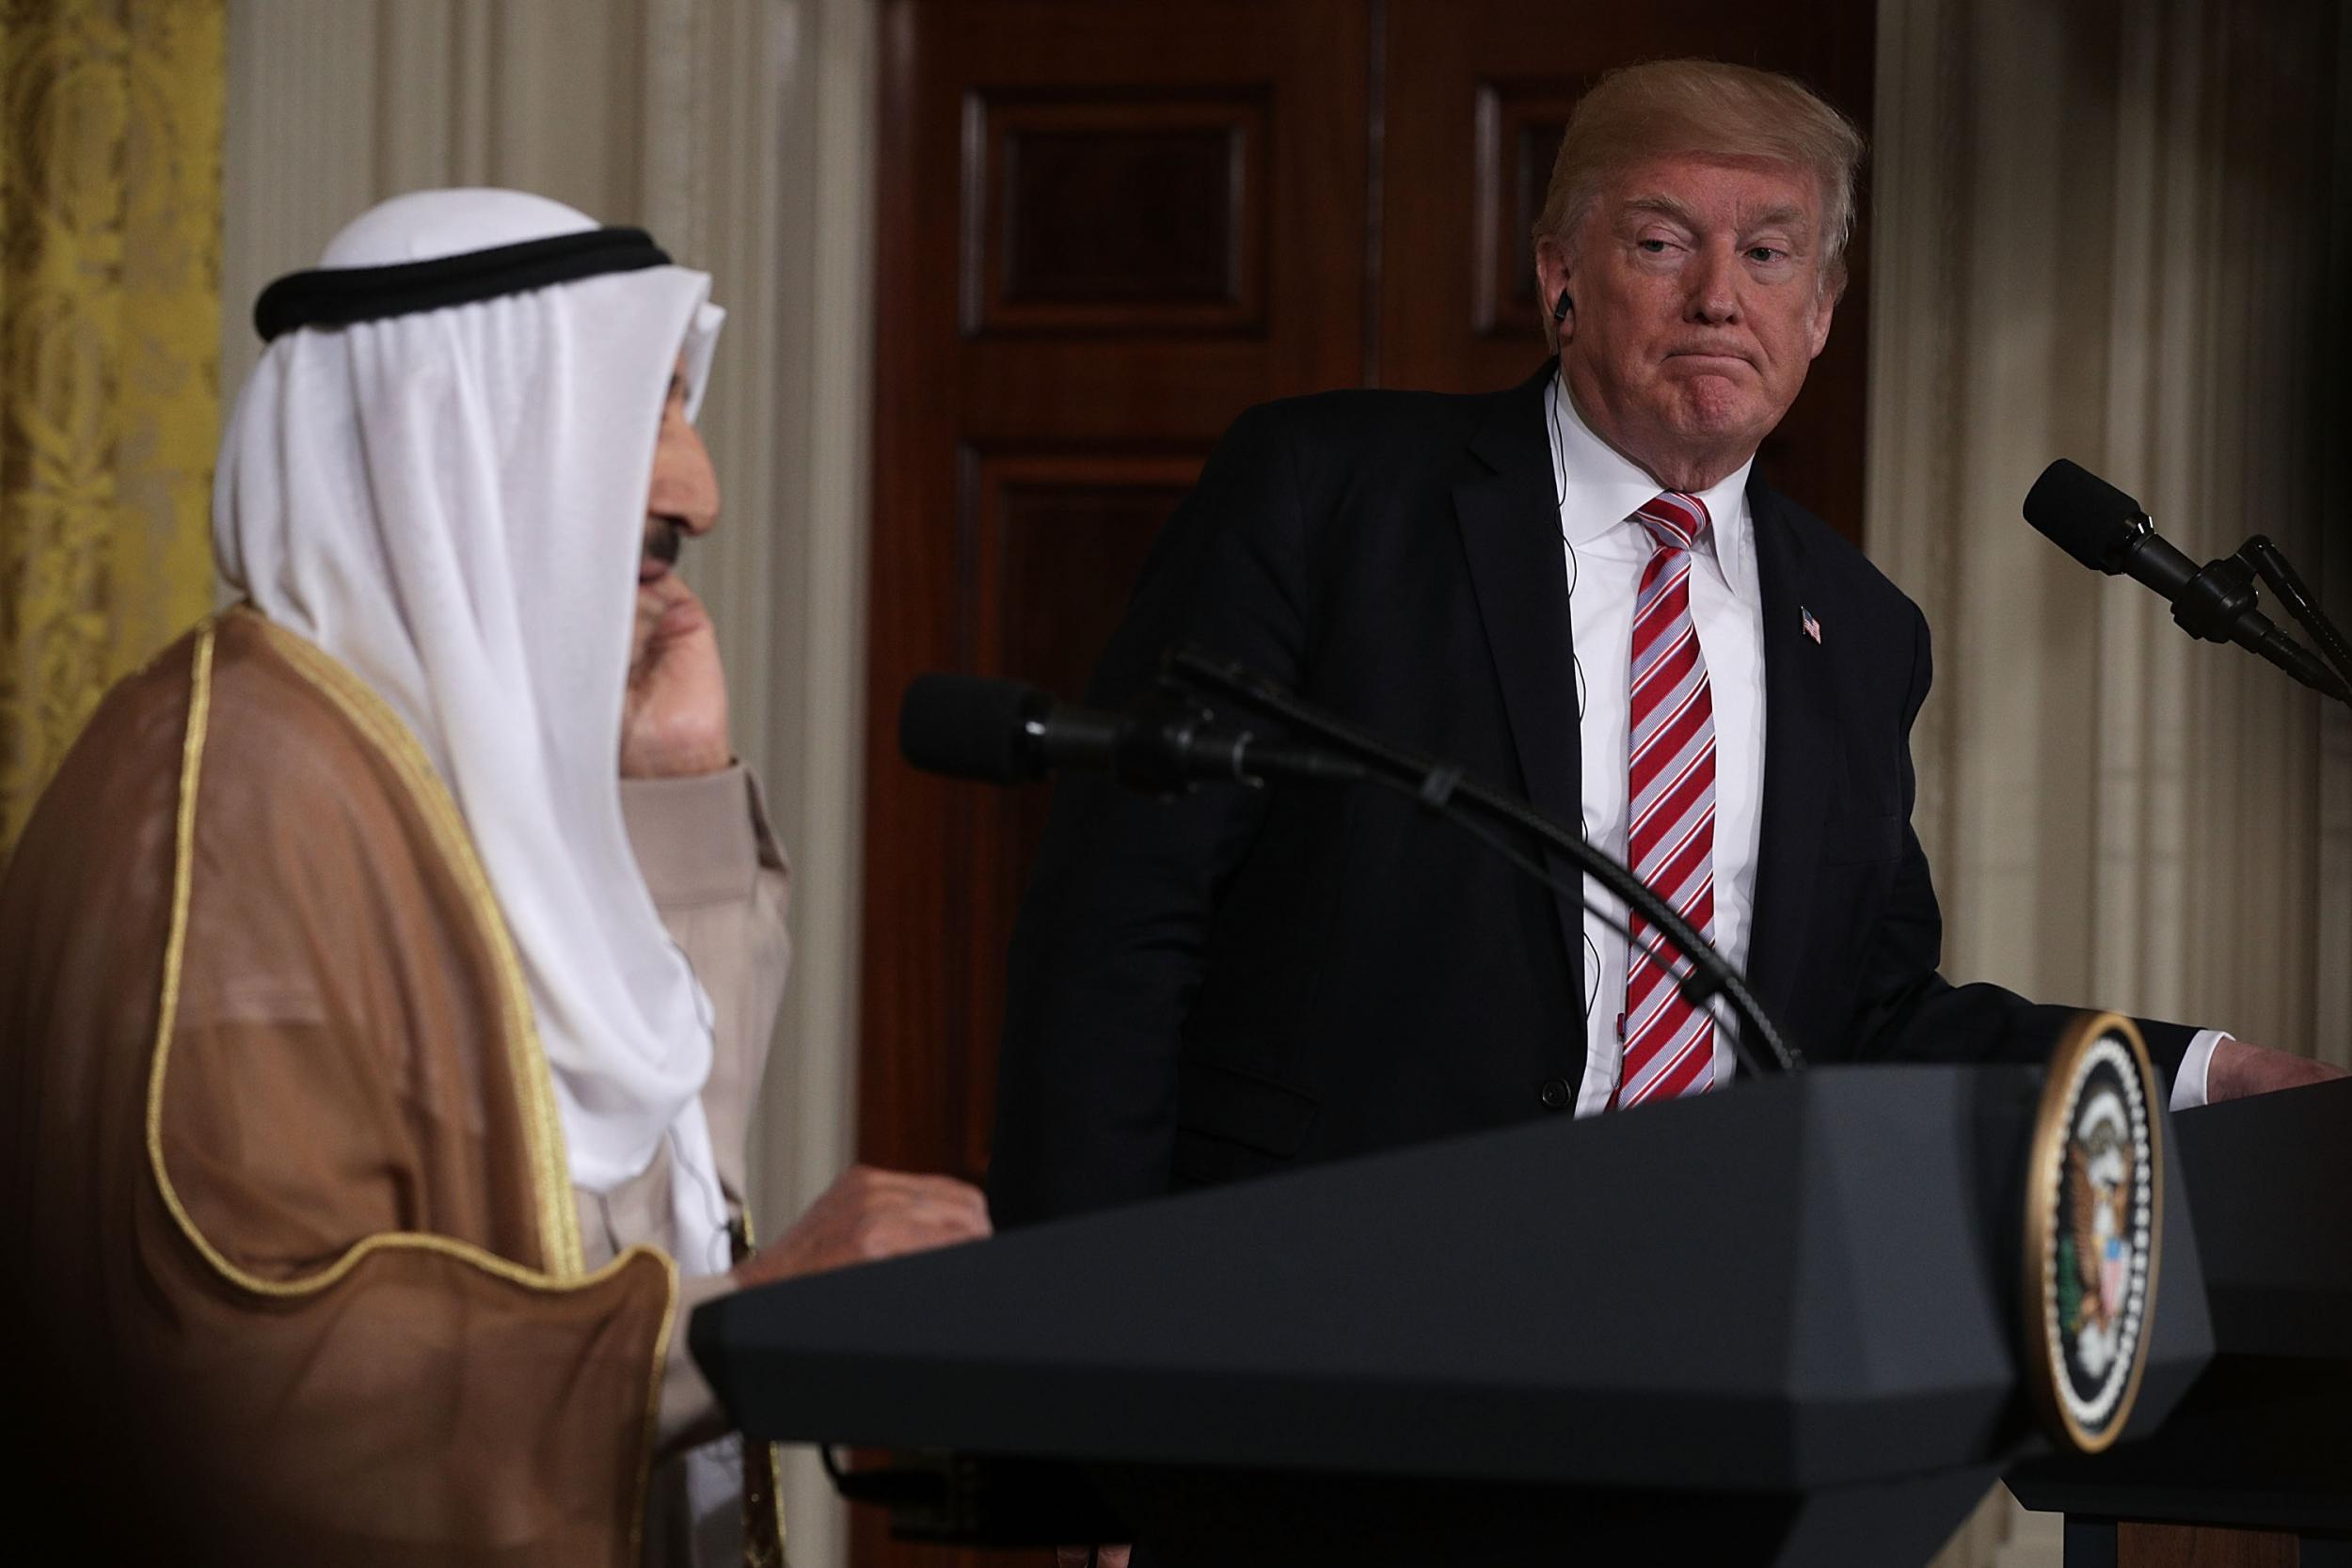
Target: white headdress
452,501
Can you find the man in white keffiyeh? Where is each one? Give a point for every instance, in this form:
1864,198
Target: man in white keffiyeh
468,929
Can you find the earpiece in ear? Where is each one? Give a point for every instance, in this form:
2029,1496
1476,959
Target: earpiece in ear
1562,307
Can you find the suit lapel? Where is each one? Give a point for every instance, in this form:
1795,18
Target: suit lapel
1510,525
1801,753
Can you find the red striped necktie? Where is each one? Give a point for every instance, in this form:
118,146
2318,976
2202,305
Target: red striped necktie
1669,1046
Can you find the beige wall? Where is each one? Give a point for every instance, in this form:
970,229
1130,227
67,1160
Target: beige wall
737,131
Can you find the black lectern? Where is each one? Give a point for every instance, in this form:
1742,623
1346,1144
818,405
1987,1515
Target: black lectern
1777,1325
2264,1441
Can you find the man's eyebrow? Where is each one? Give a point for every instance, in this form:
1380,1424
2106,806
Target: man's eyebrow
678,385
1663,206
1785,215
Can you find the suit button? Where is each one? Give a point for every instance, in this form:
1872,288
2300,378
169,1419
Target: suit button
1554,1094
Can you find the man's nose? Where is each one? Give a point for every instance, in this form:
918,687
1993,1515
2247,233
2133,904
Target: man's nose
691,494
1714,296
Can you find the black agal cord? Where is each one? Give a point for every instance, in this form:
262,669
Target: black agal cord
337,296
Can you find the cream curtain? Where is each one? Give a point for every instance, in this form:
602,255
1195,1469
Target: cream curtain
110,116
2117,231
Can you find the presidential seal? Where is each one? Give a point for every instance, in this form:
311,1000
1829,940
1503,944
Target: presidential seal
2093,1200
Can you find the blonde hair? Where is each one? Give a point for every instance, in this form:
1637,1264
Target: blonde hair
1664,108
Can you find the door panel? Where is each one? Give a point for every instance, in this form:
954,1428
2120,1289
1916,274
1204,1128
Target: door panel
1105,229
1140,208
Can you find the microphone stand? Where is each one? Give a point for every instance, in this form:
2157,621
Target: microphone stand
2211,606
2264,557
1441,788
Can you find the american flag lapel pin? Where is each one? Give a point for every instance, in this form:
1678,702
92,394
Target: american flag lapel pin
1812,628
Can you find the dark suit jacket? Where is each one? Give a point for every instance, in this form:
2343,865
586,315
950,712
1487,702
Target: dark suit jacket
1236,981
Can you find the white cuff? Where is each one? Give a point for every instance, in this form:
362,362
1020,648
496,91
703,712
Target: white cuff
2188,1084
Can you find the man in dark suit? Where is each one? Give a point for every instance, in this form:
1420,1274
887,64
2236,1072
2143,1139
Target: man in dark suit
1579,590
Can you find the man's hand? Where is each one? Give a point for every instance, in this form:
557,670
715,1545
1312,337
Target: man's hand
674,719
2238,1070
868,1214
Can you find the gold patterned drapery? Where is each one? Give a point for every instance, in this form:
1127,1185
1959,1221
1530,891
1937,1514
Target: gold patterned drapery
110,137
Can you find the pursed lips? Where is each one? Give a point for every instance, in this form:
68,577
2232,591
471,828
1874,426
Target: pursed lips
1733,356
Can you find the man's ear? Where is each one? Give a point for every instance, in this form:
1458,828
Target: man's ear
1555,285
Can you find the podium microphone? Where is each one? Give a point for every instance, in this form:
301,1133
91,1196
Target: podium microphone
1003,732
2108,531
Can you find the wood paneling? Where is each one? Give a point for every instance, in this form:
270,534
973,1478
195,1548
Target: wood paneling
1040,401
1130,214
1516,130
2197,1547
1048,531
1103,231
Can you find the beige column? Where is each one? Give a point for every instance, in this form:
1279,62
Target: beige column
740,133
2116,232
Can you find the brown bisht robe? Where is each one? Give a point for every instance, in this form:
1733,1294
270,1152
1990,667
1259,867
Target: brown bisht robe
293,1264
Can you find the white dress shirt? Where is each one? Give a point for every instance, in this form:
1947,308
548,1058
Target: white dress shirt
1605,551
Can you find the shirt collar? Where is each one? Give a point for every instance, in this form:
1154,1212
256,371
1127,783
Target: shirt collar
1600,488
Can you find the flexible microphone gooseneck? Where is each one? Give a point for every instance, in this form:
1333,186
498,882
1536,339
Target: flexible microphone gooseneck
1442,787
1002,731
2108,531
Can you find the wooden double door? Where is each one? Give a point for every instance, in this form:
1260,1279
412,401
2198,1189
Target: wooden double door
1107,227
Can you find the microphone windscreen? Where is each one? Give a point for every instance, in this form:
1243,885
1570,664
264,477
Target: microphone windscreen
970,727
2084,515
